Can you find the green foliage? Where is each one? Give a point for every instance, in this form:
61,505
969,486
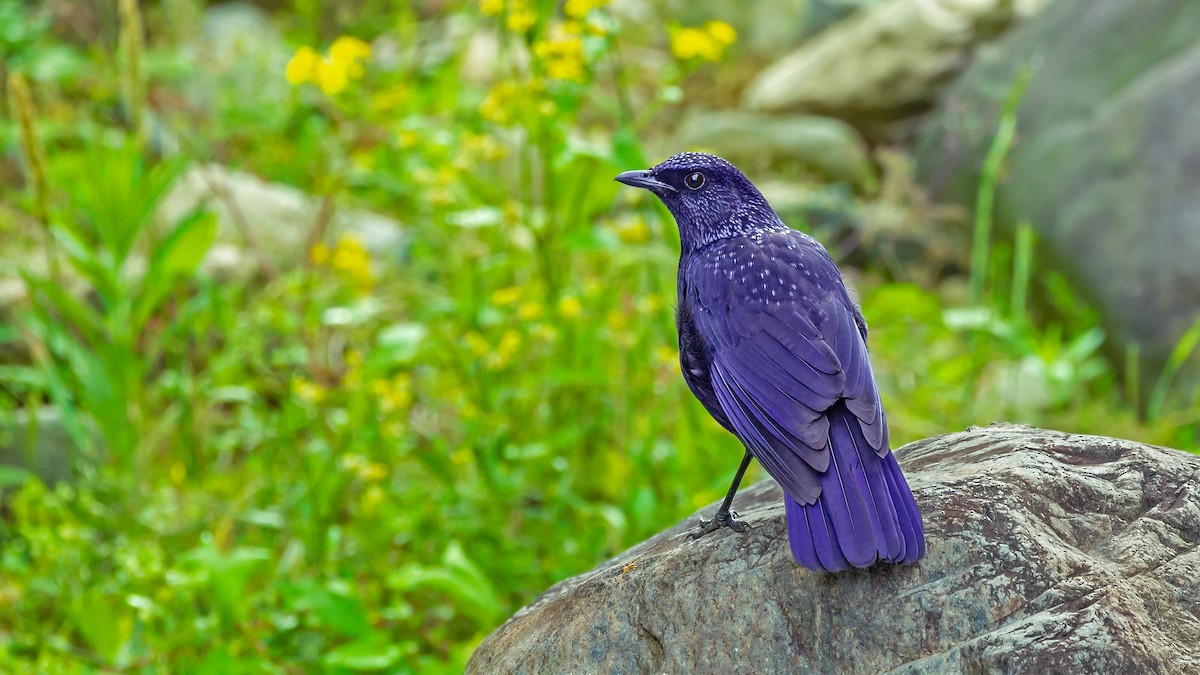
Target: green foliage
363,461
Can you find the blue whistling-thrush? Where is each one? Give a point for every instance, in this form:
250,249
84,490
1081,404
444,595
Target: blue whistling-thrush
773,345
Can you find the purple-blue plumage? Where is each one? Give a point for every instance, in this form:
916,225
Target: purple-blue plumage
773,346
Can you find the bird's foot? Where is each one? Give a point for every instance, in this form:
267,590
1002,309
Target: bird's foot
722,519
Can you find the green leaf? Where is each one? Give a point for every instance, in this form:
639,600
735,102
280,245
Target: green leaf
81,317
401,342
181,251
331,605
459,577
85,260
116,191
627,151
175,258
26,377
105,622
56,386
228,573
13,475
371,652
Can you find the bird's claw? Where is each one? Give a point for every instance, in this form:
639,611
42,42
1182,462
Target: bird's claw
722,519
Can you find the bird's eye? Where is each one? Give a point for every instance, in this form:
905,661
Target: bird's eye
694,180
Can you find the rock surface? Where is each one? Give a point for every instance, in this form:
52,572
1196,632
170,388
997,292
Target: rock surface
884,62
278,217
825,147
41,445
1047,552
1107,158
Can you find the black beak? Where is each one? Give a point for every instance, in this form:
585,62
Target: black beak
643,179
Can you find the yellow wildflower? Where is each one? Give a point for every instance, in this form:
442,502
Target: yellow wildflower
507,98
506,349
544,332
373,472
445,176
666,356
529,311
462,456
394,394
372,497
485,146
521,16
577,9
634,231
617,321
354,369
331,73
491,7
707,42
332,78
302,67
309,392
510,343
389,99
562,57
319,253
570,307
351,260
721,32
649,304
364,469
407,139
350,52
495,107
506,296
477,344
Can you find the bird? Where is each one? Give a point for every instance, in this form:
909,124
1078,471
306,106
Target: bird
774,345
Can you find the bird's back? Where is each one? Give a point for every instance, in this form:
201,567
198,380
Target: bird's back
768,269
773,345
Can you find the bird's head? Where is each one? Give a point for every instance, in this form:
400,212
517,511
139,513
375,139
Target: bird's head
709,197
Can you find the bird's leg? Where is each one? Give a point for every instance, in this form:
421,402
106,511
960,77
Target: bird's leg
725,517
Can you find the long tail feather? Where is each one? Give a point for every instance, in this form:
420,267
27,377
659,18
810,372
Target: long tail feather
866,511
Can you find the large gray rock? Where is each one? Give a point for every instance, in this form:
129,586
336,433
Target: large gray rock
40,443
882,63
1047,553
239,55
1107,158
824,147
278,219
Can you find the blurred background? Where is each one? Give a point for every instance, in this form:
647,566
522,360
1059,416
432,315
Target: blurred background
327,341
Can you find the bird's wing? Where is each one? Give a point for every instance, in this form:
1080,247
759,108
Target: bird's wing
785,347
